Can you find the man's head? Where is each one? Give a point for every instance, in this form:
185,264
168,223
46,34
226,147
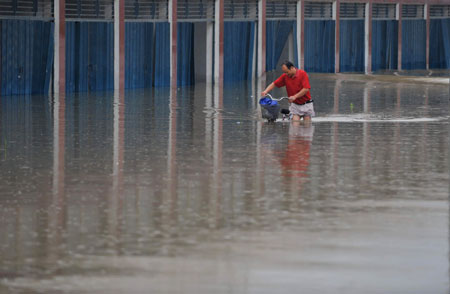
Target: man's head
288,68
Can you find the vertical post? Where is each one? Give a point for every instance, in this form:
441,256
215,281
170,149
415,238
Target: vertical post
261,37
337,19
368,38
301,32
426,14
399,19
218,42
173,42
59,65
209,43
119,44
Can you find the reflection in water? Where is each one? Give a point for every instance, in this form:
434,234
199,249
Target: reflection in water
57,208
296,157
187,190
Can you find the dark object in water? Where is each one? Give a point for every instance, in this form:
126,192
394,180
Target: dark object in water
285,111
269,108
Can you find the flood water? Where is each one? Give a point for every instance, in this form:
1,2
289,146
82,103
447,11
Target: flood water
189,191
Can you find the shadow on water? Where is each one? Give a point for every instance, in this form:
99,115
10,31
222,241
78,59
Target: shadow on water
188,190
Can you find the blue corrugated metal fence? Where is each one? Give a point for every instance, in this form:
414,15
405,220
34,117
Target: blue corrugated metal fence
414,44
319,45
162,54
139,55
277,33
185,54
384,44
89,56
351,46
440,43
26,56
239,38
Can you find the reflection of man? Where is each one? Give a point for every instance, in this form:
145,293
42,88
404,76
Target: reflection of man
296,157
297,88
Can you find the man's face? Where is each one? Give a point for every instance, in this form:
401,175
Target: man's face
289,72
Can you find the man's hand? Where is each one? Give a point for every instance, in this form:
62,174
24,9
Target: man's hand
292,98
264,94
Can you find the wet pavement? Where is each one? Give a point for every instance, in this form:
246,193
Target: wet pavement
189,191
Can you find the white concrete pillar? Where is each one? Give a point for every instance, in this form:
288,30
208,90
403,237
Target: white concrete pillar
173,42
426,14
337,19
59,61
210,14
218,41
398,17
301,33
261,68
368,39
119,44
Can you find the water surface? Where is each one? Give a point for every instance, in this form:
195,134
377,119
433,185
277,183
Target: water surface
189,191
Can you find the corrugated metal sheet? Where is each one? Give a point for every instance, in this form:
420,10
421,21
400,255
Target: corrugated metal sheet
351,46
319,45
139,54
89,56
414,44
147,59
440,46
384,44
277,33
162,54
26,56
185,54
239,40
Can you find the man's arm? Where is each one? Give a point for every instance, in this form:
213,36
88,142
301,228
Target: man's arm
268,89
299,94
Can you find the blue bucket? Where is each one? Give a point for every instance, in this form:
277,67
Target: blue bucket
267,101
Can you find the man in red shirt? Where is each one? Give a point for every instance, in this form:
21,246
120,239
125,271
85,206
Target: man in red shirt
297,88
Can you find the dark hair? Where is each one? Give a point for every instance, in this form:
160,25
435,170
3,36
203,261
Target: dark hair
288,64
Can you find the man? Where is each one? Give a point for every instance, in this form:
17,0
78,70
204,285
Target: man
297,86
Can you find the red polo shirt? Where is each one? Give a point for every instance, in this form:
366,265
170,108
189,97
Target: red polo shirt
295,85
